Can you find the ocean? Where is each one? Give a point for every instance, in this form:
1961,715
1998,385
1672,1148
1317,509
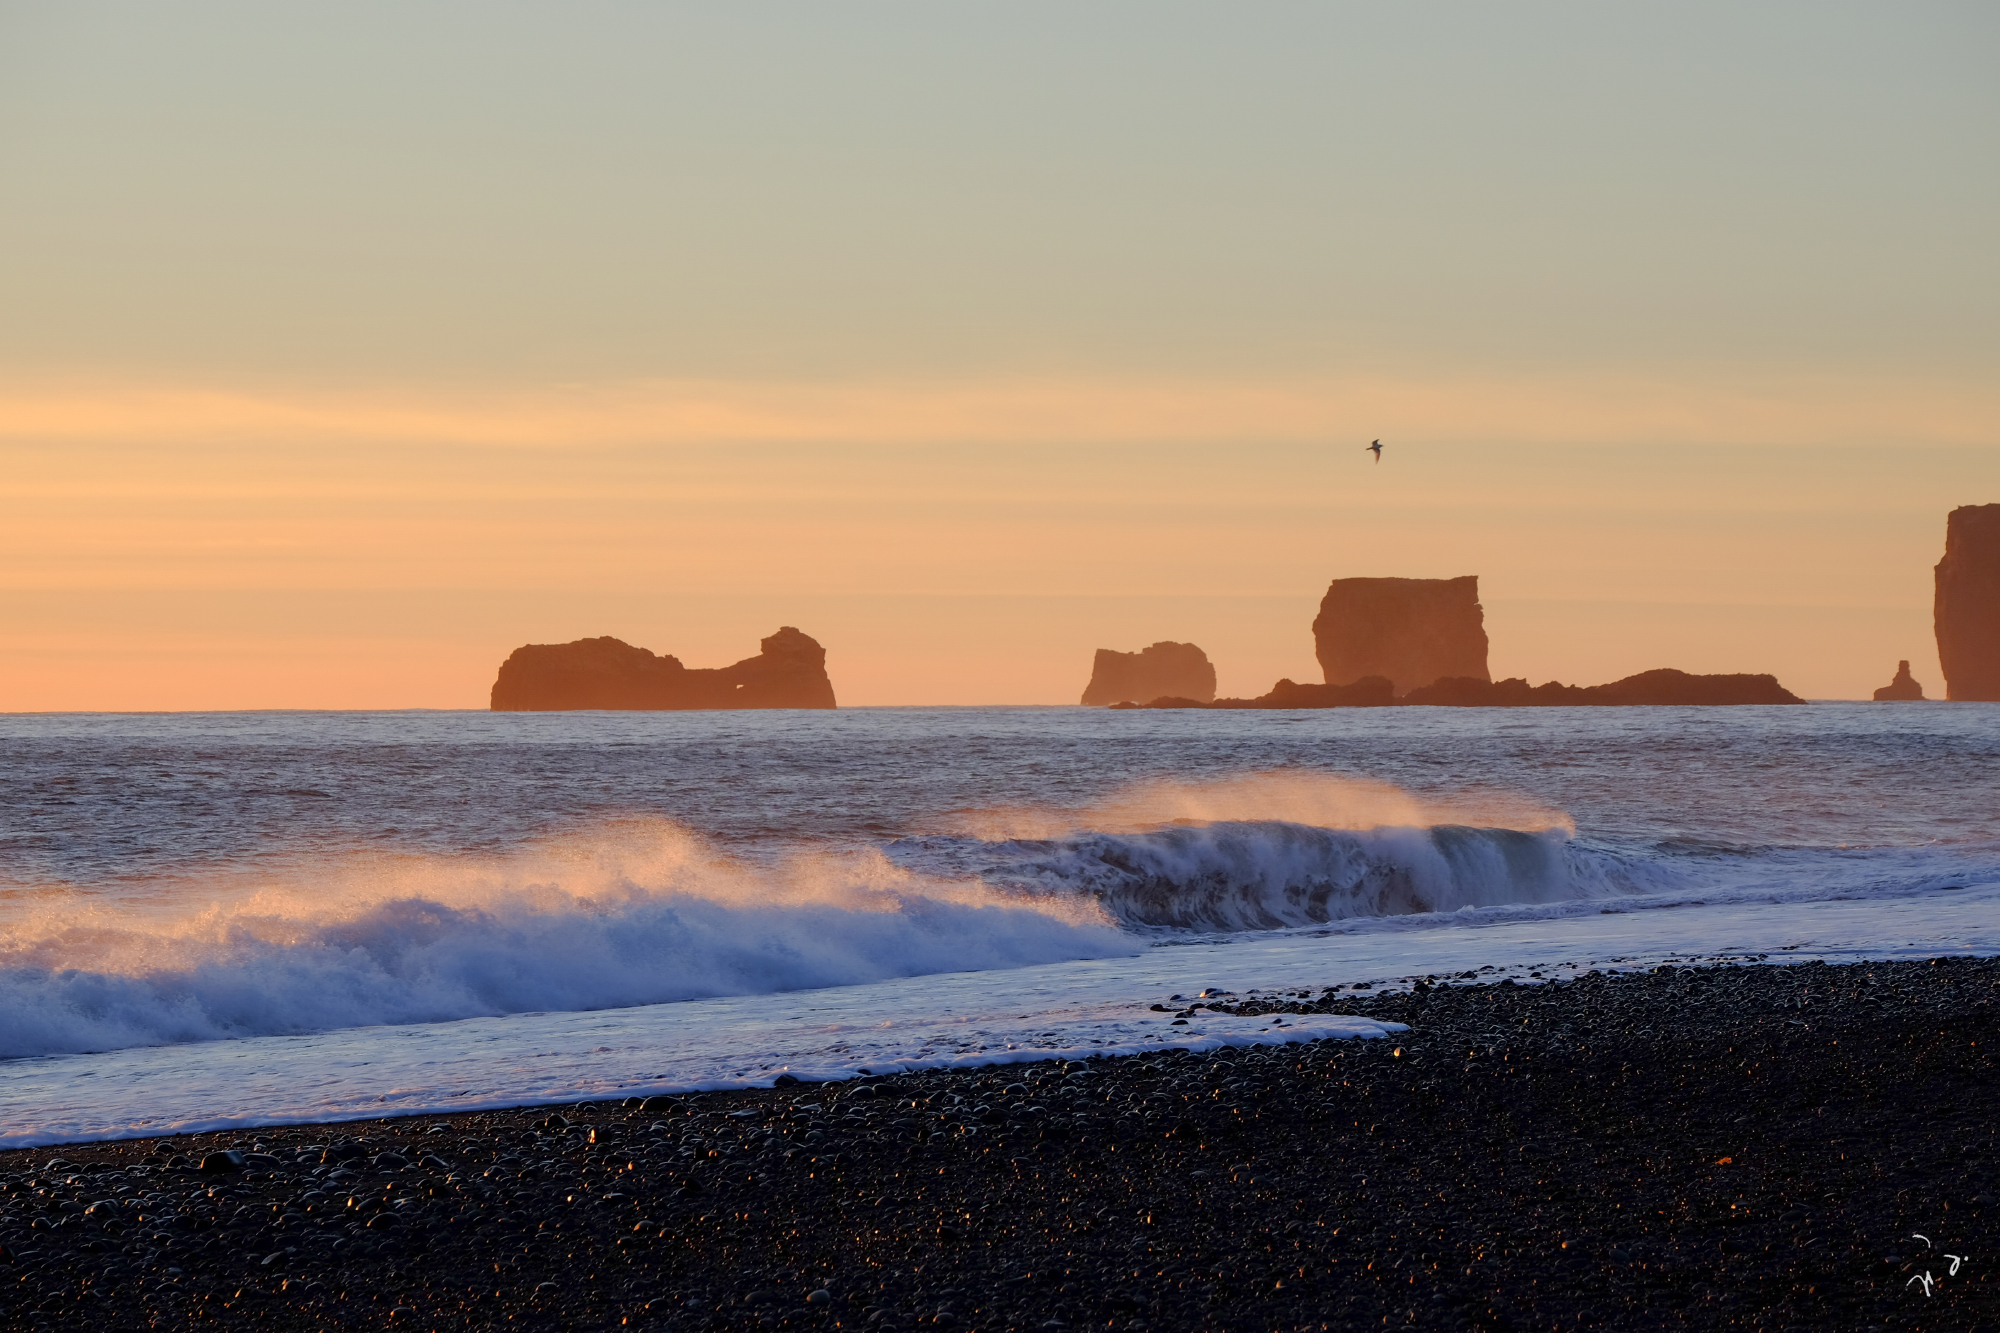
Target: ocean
240,919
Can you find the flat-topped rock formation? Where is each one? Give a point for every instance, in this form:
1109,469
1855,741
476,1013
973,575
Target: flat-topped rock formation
1176,670
609,673
1967,608
1409,631
1663,687
1903,689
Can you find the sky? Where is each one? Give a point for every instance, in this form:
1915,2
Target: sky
345,348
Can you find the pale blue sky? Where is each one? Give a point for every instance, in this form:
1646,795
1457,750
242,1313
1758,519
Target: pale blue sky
591,189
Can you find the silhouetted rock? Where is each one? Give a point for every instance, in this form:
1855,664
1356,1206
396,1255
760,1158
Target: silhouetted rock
1967,608
1179,670
1665,686
1368,692
1903,688
1668,686
608,673
1514,692
1412,631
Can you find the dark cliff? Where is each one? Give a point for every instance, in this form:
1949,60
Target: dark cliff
1409,631
608,673
1967,608
1903,689
1178,670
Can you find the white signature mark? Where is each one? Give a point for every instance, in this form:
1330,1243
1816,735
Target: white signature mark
1928,1282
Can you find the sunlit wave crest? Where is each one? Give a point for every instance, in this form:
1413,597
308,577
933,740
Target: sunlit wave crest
640,912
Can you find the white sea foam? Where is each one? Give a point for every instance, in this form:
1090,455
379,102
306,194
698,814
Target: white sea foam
1087,1007
1262,851
1269,875
632,915
643,911
174,881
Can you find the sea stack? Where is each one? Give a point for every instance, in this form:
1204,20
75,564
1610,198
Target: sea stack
1410,631
1903,689
1967,608
609,673
1165,670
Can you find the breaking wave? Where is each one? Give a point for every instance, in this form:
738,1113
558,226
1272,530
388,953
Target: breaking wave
638,914
1266,874
644,911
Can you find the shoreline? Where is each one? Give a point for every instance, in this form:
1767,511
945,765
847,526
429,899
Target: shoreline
1691,1147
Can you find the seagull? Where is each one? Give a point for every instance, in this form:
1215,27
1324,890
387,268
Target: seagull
1375,448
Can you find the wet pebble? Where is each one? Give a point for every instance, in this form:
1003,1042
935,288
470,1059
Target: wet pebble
1248,1188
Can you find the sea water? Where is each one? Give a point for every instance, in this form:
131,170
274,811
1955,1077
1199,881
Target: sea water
210,920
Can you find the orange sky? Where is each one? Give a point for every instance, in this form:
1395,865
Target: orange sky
344,349
958,542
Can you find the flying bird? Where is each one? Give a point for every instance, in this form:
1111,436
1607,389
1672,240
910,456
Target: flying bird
1375,449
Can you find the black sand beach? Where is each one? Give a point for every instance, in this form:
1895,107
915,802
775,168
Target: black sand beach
1719,1147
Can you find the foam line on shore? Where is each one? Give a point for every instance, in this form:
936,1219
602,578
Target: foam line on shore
584,1078
530,1059
1577,1151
